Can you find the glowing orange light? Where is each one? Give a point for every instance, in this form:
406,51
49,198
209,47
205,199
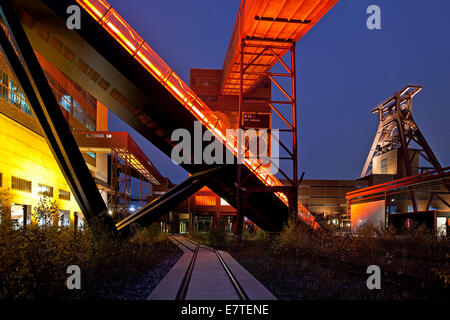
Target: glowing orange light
93,7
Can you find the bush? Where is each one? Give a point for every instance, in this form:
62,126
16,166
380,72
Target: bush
326,264
293,238
33,261
217,238
197,236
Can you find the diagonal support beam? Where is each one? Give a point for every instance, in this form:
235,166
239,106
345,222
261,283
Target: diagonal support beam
50,117
160,206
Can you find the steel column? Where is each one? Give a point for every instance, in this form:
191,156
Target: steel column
240,207
404,146
291,191
294,132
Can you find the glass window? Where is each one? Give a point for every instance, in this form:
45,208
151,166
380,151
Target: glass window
18,213
205,200
64,195
79,221
20,184
16,97
64,218
66,102
45,190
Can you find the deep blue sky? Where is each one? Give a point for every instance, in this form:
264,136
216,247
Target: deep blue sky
343,71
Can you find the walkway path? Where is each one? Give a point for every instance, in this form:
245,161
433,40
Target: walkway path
203,273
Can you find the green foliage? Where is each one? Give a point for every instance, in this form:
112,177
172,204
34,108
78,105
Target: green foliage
33,261
217,238
257,235
200,237
293,238
148,234
46,212
326,264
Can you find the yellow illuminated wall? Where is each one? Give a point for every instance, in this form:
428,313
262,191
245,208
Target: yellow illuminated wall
26,155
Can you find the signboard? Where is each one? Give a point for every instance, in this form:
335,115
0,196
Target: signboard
256,120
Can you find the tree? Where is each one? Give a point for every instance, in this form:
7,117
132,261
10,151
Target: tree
46,211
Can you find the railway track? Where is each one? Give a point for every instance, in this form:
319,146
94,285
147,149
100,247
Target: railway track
198,249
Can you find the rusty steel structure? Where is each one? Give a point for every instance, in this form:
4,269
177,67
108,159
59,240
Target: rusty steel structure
264,32
396,131
127,160
120,197
123,72
251,59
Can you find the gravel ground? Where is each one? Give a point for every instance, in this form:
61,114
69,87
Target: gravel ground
290,281
318,278
141,285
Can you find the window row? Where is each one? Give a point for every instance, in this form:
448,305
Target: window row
11,92
21,216
26,186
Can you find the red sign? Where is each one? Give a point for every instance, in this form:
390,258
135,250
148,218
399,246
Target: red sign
408,223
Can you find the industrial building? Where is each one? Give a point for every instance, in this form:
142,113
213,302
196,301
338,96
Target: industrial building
408,187
27,166
325,199
28,169
107,65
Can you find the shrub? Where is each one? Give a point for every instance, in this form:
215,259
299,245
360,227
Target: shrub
33,261
200,237
293,238
217,238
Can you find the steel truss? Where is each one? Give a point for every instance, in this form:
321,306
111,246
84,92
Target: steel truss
396,130
244,190
120,197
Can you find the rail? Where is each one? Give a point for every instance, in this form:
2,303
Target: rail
182,291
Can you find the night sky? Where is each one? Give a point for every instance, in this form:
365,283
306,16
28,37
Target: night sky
343,71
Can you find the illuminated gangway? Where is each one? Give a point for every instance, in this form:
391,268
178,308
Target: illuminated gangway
139,100
109,19
278,23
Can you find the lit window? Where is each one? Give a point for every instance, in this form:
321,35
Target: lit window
63,194
45,190
20,184
66,102
205,200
